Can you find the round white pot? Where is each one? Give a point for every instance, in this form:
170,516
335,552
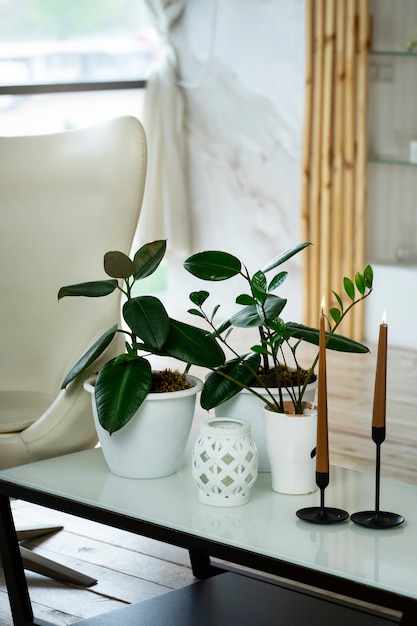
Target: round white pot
152,443
290,440
224,462
248,407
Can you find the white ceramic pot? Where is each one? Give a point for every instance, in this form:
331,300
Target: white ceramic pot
290,440
224,462
248,407
152,443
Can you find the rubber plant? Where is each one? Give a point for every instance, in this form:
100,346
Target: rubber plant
261,308
123,382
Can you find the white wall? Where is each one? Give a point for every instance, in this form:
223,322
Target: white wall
244,129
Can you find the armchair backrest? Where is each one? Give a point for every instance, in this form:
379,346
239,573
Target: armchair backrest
65,200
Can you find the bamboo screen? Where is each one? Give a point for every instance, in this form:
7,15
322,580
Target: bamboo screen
334,160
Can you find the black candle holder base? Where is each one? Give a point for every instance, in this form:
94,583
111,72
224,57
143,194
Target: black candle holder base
322,515
377,519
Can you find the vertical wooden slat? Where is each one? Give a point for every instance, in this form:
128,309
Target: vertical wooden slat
325,246
336,270
316,162
306,165
349,145
361,154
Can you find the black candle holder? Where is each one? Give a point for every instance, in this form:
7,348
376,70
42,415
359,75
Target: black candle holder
377,519
322,514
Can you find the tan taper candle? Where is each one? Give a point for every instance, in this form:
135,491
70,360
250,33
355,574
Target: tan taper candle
322,455
380,393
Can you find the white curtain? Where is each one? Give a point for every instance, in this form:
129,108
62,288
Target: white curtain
165,212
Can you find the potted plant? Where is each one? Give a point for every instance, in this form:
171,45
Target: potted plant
270,370
125,388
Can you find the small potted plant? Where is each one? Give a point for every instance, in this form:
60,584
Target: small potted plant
126,393
269,371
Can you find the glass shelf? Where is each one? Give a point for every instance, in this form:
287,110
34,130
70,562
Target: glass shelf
393,53
389,160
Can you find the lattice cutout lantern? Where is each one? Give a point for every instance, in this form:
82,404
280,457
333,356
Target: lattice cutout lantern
224,462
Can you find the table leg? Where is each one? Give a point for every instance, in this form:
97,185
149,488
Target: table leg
13,568
409,615
201,565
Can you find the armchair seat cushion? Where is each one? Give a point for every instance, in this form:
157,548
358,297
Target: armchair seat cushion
20,409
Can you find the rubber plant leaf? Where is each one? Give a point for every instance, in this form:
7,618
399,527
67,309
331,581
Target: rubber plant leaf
213,265
120,389
147,318
278,260
217,389
118,265
249,316
148,258
339,343
192,345
94,289
90,356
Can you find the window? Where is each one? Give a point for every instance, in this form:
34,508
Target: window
73,62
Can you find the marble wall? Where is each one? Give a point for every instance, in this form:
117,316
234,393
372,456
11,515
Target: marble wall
242,63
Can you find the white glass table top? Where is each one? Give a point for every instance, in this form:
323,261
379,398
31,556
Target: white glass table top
386,559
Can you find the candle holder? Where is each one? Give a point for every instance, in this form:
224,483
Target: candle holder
322,514
377,519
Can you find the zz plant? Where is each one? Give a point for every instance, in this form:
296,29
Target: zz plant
261,308
124,382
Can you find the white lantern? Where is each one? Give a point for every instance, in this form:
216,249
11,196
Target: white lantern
224,462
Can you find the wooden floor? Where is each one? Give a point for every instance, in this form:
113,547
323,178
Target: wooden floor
131,568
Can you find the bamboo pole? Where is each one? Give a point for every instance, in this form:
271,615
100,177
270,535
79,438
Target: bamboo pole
349,144
327,153
315,162
361,155
306,164
336,270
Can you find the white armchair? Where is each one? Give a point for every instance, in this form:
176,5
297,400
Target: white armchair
65,200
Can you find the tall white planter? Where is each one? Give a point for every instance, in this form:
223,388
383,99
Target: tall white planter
248,407
152,444
290,440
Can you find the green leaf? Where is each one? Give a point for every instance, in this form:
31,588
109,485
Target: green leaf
258,285
277,281
249,317
120,389
118,265
90,356
339,300
148,258
349,287
336,314
338,343
277,325
369,276
94,289
245,299
259,350
216,308
192,345
196,312
199,297
278,260
218,389
147,318
223,326
360,283
213,265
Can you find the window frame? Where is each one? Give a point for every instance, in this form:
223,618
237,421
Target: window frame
42,88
